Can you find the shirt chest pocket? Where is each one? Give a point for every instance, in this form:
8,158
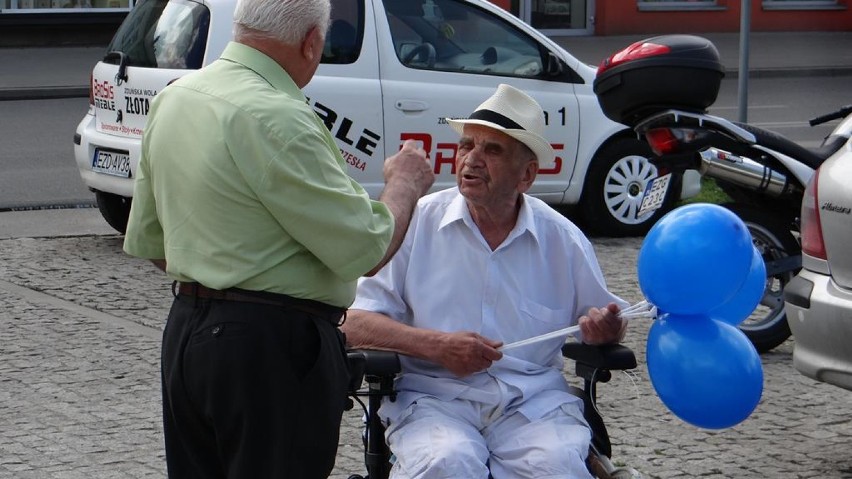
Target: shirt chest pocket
539,319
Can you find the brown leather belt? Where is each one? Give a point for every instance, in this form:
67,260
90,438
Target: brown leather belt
333,314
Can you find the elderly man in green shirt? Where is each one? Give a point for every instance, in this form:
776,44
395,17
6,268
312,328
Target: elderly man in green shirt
242,198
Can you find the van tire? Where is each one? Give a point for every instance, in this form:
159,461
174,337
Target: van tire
115,209
614,187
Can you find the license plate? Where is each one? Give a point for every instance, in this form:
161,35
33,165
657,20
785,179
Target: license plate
655,194
111,162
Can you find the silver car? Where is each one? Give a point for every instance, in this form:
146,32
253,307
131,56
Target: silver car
818,300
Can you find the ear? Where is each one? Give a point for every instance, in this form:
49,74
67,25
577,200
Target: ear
530,172
312,44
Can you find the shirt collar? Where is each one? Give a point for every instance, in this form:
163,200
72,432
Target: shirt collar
525,221
264,66
458,211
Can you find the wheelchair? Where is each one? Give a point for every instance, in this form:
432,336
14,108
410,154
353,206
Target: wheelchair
376,370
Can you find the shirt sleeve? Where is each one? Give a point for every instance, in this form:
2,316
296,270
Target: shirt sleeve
144,237
385,291
591,288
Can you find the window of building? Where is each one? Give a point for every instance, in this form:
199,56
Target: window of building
715,4
677,4
64,6
800,4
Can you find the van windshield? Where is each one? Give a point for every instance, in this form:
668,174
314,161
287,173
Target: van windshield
163,34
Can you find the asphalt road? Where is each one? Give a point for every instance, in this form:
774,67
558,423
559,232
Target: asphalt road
37,167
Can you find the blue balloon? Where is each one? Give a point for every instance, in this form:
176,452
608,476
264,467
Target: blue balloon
741,305
706,372
694,259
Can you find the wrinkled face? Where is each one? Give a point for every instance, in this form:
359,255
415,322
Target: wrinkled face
492,167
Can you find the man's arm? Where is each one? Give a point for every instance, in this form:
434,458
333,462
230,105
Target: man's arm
603,326
462,353
408,176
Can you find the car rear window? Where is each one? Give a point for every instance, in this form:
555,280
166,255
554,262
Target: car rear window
163,34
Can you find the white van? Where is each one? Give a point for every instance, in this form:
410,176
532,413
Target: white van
391,71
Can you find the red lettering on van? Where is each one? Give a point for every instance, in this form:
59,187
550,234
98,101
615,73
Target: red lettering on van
424,139
103,89
446,159
557,162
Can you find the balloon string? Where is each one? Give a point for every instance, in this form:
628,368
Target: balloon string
638,306
642,310
642,315
543,337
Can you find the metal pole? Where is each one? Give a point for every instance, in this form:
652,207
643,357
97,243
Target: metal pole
745,22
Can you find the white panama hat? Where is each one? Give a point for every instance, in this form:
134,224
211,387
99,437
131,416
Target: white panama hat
514,113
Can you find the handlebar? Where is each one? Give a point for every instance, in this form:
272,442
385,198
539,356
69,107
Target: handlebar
841,113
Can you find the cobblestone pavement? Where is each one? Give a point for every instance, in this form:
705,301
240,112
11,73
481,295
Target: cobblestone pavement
79,381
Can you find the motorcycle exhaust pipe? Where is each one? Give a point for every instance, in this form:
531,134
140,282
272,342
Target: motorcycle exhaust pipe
744,172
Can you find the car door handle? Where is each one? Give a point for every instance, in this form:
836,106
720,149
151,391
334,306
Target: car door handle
411,105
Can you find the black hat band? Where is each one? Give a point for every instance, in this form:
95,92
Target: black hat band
497,118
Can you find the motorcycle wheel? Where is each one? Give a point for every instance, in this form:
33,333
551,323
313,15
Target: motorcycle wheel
767,326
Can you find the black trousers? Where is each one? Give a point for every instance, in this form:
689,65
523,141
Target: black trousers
251,391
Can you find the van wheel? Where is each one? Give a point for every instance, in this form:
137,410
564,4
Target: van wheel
115,209
615,183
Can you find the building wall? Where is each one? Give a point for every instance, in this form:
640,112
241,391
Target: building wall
58,29
612,17
620,17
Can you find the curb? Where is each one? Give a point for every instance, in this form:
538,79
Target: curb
797,72
43,93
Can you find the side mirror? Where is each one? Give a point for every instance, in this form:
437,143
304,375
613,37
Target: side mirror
406,49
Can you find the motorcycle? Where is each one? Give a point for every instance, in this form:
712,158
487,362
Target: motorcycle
763,173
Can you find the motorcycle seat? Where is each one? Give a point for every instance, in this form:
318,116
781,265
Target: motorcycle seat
776,142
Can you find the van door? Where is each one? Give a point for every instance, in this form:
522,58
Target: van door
445,57
345,91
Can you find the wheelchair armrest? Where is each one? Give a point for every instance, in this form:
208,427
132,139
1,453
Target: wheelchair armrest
613,357
372,362
378,368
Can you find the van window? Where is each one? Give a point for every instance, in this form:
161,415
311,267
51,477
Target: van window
449,35
163,34
345,32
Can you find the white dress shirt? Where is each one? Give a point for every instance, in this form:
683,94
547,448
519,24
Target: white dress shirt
542,278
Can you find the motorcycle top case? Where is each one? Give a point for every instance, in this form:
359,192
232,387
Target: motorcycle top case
659,73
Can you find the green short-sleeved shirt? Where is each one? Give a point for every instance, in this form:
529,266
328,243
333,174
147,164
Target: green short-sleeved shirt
241,185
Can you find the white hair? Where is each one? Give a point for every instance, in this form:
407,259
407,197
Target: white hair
287,21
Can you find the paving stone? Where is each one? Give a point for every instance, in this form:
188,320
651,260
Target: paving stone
80,324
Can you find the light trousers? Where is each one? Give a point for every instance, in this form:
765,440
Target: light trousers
467,439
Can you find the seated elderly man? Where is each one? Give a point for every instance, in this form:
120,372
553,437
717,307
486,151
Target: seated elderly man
484,264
